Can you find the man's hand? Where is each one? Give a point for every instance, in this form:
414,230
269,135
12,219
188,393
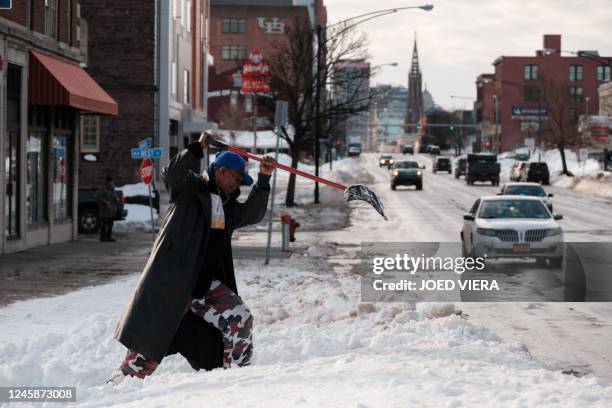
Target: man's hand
266,166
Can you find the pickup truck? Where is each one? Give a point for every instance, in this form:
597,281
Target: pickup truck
482,167
89,218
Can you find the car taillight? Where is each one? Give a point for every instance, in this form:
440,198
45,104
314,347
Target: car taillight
122,200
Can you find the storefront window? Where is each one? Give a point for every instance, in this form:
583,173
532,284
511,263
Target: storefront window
11,202
36,175
61,171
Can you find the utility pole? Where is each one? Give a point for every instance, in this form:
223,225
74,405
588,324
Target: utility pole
318,113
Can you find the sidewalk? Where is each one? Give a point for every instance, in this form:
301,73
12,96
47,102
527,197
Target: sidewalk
61,268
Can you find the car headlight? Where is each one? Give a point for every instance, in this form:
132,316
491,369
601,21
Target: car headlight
391,161
553,232
382,162
396,173
419,173
486,231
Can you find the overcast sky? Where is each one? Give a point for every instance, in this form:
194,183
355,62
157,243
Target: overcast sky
459,39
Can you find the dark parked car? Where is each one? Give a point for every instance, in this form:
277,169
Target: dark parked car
521,156
536,172
89,218
407,173
386,160
434,150
460,166
441,163
408,150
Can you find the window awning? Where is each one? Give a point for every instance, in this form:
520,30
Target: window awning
58,83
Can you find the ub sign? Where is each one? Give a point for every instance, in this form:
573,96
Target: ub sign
6,4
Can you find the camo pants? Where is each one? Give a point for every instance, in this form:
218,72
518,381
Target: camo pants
227,312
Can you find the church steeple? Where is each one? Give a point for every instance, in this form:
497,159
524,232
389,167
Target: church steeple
415,69
415,95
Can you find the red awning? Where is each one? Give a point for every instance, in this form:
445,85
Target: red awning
55,82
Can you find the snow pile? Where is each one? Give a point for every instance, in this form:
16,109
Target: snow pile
313,339
131,190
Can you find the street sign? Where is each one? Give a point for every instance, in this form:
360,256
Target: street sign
280,114
583,154
529,142
155,153
146,171
146,143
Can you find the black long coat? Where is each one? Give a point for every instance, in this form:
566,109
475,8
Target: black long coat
151,318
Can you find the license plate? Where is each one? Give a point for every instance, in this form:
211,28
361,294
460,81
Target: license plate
520,248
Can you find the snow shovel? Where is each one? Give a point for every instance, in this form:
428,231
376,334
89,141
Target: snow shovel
352,192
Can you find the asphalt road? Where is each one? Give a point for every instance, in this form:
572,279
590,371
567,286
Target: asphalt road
572,337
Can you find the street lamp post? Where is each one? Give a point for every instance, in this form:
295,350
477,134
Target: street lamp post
349,23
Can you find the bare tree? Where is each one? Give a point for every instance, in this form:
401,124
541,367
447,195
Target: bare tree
564,105
293,78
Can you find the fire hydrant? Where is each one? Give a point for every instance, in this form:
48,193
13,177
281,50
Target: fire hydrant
293,225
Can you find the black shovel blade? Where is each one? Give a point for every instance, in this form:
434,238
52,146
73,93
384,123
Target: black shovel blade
363,193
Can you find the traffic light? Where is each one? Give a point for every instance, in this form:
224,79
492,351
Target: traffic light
451,128
418,126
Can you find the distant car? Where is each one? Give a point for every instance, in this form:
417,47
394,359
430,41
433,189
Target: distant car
441,163
354,149
517,170
482,167
528,189
386,160
521,156
89,213
407,173
460,166
536,171
434,150
512,227
408,150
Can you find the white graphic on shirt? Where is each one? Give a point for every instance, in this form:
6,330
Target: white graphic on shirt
218,215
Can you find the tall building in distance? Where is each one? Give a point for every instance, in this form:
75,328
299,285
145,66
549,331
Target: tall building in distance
351,79
414,109
388,113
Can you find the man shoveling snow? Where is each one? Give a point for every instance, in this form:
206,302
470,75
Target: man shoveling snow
186,299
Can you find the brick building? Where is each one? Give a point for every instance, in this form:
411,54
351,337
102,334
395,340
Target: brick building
237,28
44,97
514,92
153,58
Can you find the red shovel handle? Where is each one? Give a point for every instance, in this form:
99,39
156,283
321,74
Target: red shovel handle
222,146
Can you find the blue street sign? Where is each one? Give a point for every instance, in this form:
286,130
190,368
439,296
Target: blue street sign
147,153
146,143
5,4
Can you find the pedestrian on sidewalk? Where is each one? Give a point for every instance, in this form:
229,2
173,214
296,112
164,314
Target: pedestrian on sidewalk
189,276
107,204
